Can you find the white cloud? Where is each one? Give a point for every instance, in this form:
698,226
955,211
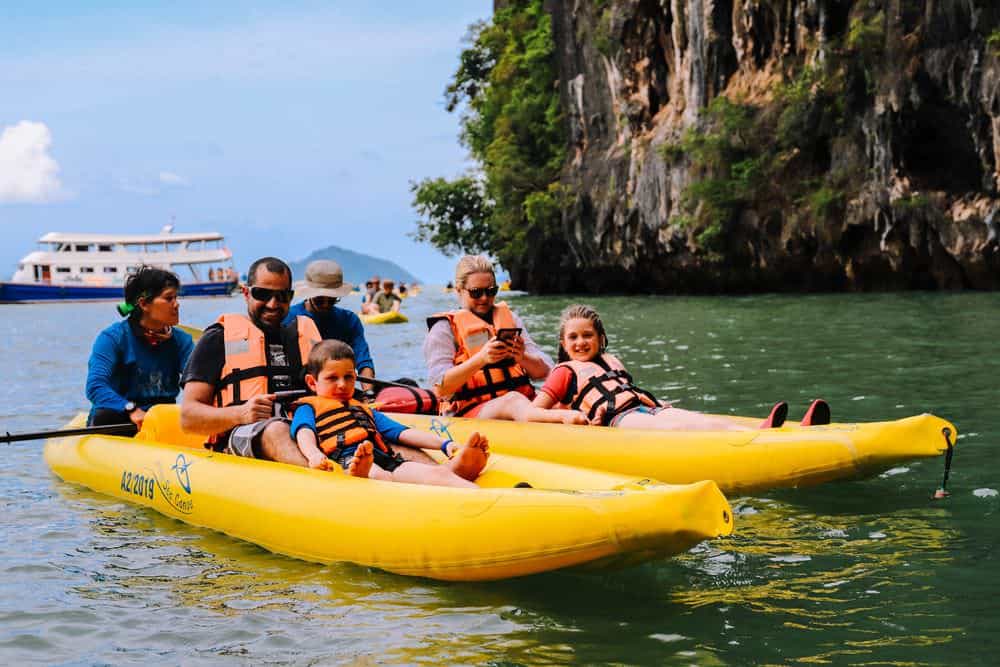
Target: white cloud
171,179
27,172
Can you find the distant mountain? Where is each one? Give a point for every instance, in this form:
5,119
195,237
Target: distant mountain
357,267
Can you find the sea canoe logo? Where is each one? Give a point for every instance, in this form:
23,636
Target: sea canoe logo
180,468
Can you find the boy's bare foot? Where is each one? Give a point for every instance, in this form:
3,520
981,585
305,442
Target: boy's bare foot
470,460
362,462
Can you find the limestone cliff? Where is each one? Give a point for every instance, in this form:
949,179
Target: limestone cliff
856,145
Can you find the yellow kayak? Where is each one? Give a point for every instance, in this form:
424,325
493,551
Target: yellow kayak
738,461
385,318
495,532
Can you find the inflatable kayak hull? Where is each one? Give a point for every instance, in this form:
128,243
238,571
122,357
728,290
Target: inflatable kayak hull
495,532
385,318
738,461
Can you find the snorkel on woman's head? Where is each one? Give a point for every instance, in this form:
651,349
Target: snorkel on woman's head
151,297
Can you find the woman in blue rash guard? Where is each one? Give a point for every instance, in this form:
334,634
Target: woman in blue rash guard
137,362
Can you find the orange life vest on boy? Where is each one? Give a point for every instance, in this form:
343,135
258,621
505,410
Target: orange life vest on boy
471,333
604,381
245,372
340,424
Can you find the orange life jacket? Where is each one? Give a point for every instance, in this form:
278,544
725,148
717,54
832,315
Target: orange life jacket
340,424
604,381
471,333
245,372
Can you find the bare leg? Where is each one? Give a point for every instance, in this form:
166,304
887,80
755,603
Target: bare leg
435,475
514,406
470,460
676,419
276,444
362,462
413,454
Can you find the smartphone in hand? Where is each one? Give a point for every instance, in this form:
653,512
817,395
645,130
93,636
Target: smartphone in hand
509,334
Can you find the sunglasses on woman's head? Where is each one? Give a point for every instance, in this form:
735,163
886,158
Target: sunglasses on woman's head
480,292
264,294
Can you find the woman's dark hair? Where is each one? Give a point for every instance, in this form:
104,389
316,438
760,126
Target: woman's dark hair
146,282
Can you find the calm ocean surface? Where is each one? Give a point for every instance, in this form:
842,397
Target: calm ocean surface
867,572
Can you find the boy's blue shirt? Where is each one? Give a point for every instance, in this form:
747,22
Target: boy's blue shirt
340,324
123,368
388,428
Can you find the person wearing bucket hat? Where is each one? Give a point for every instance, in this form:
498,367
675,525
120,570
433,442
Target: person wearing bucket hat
323,288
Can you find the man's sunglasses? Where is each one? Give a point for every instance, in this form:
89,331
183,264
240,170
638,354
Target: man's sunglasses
480,292
264,294
325,301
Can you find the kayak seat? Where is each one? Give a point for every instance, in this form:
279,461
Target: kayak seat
163,424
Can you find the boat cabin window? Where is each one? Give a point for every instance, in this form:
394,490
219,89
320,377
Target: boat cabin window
86,269
105,248
62,269
82,247
111,269
64,247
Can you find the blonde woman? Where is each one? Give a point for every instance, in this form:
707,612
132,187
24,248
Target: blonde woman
480,358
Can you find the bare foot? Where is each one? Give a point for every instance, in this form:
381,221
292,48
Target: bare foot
362,462
470,460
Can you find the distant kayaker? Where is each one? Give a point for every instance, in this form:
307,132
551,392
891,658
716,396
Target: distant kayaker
137,363
480,358
368,306
321,290
386,300
590,379
332,429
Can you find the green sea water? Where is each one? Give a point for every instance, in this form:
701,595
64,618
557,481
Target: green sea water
869,572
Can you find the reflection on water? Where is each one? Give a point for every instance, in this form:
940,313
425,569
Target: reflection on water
869,572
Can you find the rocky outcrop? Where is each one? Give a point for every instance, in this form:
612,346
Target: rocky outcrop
868,152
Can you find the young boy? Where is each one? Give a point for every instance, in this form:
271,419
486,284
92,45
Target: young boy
331,427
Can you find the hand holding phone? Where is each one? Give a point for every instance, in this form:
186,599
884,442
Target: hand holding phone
509,334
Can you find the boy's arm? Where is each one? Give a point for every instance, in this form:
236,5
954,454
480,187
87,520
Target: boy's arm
304,431
413,437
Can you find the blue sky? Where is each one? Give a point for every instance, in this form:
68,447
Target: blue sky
286,126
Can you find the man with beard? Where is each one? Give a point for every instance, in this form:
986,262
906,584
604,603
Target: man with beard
239,364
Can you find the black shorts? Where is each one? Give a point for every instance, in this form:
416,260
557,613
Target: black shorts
387,461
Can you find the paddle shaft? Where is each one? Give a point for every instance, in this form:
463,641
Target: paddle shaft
109,429
385,383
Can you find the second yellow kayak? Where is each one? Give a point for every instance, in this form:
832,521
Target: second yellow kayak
738,461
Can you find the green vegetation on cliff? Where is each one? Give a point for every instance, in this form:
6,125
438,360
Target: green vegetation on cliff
512,125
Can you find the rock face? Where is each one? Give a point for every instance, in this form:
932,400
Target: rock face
898,188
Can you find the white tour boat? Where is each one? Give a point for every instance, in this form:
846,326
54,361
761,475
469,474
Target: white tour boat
84,267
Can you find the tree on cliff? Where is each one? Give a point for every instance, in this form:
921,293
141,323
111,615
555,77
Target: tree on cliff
513,127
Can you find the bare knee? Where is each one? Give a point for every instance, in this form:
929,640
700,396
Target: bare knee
276,444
